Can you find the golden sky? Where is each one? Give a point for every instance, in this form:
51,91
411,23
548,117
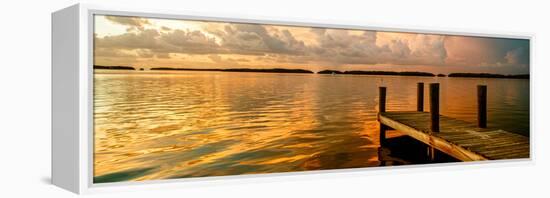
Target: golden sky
153,42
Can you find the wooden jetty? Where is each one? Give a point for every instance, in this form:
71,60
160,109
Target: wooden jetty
462,140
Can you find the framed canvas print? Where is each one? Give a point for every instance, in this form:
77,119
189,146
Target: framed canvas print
144,97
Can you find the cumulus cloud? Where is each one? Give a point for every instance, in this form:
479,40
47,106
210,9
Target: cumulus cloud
228,43
186,41
130,22
352,47
145,39
333,46
235,39
255,39
177,41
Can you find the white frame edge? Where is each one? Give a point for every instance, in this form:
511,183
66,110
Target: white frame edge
65,101
72,101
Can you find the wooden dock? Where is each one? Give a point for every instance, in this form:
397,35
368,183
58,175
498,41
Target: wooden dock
462,140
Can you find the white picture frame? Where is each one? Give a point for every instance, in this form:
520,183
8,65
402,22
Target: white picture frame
72,97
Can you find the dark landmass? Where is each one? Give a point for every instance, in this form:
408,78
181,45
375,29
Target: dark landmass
330,72
354,72
487,75
114,67
390,73
183,69
274,70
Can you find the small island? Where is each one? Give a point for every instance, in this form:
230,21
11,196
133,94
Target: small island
114,67
389,73
274,70
487,75
441,75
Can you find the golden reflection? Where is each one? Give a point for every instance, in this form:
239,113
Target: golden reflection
151,125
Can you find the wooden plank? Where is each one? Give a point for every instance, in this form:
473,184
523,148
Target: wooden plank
439,143
460,139
496,146
512,155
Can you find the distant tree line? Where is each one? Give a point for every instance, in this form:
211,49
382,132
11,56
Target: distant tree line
353,72
389,73
274,70
487,75
114,67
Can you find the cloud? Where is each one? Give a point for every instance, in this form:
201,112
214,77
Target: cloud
131,22
186,41
111,52
216,58
516,56
241,39
270,45
257,40
177,41
333,47
144,39
363,47
227,61
486,52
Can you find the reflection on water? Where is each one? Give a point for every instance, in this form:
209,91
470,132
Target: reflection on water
191,124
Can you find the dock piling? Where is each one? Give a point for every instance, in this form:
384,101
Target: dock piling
482,106
434,106
434,115
460,139
420,97
382,108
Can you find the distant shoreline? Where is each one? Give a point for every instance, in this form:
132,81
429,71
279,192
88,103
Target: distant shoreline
409,73
487,75
274,70
114,67
331,72
387,73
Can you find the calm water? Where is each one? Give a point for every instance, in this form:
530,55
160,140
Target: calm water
190,124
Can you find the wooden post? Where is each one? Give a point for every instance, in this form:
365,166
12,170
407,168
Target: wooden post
431,153
382,108
434,106
382,102
482,106
434,115
420,97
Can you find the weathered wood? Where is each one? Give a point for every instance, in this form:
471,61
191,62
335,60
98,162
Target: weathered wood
431,153
459,139
434,106
434,115
382,99
420,97
382,108
383,130
482,106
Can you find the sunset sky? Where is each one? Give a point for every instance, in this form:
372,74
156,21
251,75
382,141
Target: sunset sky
151,42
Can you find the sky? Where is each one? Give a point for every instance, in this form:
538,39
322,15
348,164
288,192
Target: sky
154,42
